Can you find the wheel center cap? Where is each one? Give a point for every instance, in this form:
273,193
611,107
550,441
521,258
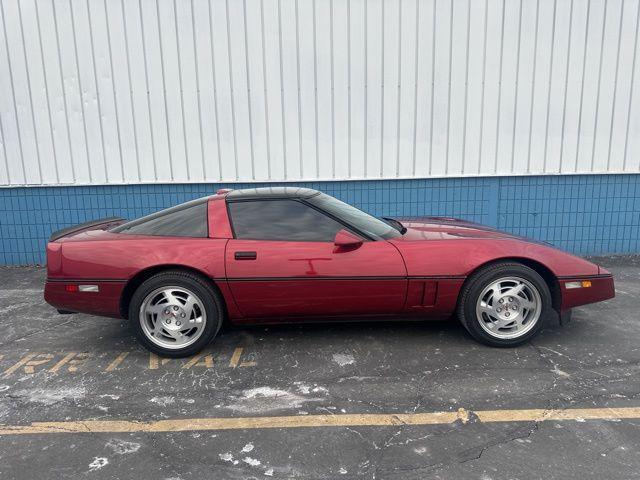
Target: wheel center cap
508,308
174,318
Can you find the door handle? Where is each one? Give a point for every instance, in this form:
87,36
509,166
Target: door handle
245,255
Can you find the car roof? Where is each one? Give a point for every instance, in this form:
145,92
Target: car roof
271,192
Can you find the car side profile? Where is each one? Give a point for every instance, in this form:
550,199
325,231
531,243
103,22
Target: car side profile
288,254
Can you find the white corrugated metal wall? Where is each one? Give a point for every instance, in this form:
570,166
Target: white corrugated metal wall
128,91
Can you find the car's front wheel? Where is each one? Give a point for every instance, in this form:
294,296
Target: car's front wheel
504,304
175,313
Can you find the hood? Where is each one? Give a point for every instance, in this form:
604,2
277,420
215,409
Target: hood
447,228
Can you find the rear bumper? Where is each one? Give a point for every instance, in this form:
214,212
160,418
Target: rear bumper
105,302
602,288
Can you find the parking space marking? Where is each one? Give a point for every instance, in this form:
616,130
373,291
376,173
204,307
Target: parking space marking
73,359
200,360
85,362
20,363
155,361
235,359
316,421
119,359
29,362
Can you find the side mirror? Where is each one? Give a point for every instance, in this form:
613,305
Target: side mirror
347,240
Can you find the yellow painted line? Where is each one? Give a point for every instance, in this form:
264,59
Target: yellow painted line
20,363
29,362
119,359
66,359
200,360
317,421
155,361
235,358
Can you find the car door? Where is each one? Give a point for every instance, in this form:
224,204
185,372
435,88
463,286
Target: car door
282,262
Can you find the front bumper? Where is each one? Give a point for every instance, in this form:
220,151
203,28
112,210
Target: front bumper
601,288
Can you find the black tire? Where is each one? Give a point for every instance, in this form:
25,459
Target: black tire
212,303
482,278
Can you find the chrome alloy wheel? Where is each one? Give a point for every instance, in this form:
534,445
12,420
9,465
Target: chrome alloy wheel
172,317
509,307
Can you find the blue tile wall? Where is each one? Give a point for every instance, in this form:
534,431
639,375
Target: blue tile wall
583,214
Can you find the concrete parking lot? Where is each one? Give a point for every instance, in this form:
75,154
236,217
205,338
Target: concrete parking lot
319,402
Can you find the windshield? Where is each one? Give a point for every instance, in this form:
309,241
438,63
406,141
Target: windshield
364,222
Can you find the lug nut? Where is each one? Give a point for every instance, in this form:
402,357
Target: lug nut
182,315
498,309
514,307
510,299
175,308
501,300
167,311
507,314
178,323
168,321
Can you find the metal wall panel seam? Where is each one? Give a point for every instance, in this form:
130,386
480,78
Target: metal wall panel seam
366,86
248,75
197,71
484,71
64,92
546,128
446,158
133,115
615,84
265,89
146,80
631,91
13,96
382,92
333,105
299,93
433,70
231,89
348,89
164,90
215,89
495,160
466,91
584,67
33,119
282,101
46,92
595,124
399,88
566,85
95,84
415,86
84,115
515,94
113,89
315,87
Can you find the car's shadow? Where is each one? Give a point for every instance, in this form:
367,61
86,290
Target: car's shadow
444,330
441,334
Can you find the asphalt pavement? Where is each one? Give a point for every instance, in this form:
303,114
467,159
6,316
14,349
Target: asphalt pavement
341,401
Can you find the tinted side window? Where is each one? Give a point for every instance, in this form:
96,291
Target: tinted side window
281,220
181,222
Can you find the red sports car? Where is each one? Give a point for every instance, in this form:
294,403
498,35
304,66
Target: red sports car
291,254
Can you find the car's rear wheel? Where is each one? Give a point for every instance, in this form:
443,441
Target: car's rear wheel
175,313
504,304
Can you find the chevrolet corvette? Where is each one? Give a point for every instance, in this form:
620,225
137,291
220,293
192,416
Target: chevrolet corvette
288,254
